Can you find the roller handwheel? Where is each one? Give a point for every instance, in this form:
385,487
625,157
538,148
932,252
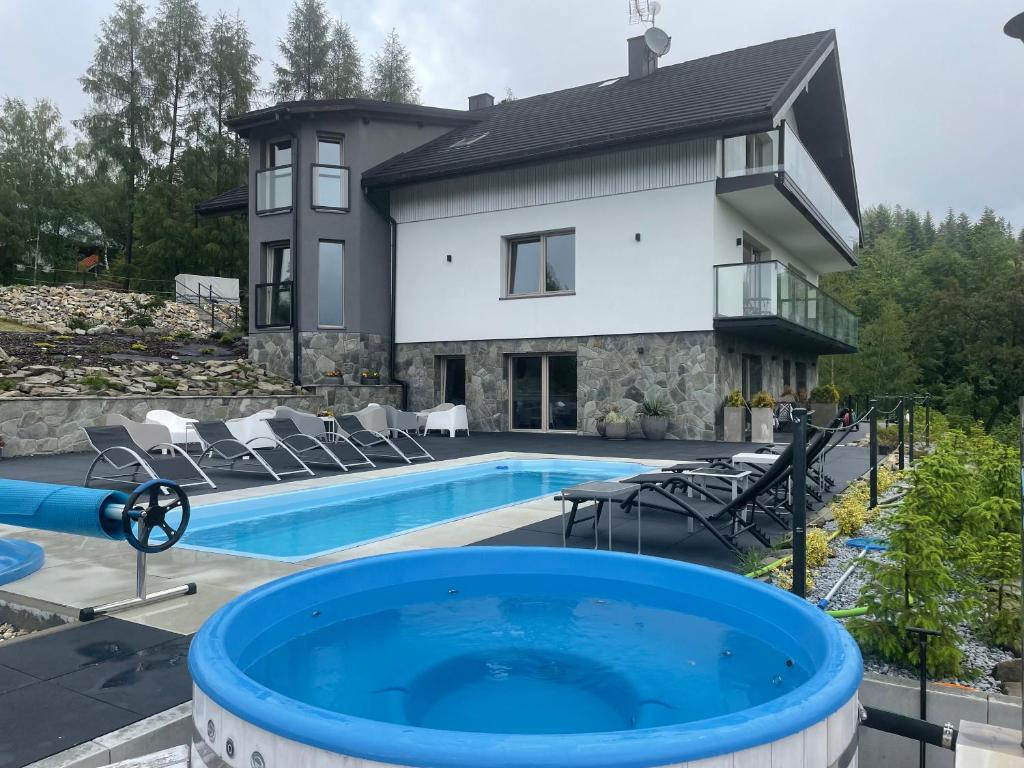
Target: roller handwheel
148,506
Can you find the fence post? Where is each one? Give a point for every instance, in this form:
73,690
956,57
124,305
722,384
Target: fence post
901,407
927,422
873,452
910,439
799,501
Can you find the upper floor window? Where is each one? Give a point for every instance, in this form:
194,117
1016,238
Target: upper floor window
330,177
541,264
274,183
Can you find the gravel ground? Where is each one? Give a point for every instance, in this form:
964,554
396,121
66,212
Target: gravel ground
9,632
978,655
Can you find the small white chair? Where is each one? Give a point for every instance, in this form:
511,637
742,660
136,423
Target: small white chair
421,416
181,433
451,421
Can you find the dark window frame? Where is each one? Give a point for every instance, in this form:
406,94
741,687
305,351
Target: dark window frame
267,167
319,284
339,139
510,241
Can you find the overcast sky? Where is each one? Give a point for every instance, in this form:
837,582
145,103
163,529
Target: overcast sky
935,91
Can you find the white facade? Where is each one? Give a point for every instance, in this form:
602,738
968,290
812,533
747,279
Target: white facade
662,283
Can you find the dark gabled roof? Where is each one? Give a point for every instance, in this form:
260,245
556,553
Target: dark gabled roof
737,91
241,124
233,201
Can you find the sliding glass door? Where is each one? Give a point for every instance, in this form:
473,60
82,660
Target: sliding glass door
543,393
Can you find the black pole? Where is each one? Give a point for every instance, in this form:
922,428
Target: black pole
922,669
927,422
910,440
799,501
873,452
901,415
296,338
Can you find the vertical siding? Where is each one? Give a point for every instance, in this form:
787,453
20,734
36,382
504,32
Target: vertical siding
634,170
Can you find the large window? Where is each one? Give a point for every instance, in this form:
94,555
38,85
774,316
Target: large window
274,182
331,284
274,292
542,264
542,393
330,177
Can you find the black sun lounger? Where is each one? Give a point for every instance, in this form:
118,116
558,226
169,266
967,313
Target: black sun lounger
339,452
225,452
352,428
116,450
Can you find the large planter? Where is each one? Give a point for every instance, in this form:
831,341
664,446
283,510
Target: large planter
823,413
734,424
654,427
762,425
600,427
616,430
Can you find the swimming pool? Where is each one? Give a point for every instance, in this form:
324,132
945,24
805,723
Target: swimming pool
298,525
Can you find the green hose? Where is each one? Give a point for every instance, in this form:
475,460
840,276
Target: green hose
845,613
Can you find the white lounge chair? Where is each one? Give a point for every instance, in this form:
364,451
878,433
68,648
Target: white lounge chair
253,430
422,415
455,419
180,427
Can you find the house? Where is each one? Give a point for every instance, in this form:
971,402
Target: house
657,233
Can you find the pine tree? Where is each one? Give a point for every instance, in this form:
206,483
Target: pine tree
344,75
305,53
121,124
391,74
172,61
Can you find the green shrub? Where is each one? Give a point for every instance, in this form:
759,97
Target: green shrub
819,550
784,580
657,407
232,336
207,351
762,400
163,382
735,399
6,385
825,393
850,514
80,323
183,335
614,417
97,383
138,346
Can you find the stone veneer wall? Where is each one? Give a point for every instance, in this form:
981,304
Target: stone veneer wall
41,425
730,364
620,369
345,398
322,352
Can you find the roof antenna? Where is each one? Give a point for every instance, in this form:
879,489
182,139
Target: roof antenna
646,12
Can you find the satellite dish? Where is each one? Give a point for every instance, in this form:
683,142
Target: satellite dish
655,7
658,42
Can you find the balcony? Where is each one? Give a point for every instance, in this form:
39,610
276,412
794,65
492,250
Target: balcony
274,190
330,187
769,302
771,179
272,305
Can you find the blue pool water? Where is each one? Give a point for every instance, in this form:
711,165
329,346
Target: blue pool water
534,655
301,524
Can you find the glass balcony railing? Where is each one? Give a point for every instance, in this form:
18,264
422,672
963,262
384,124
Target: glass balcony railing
274,189
273,305
780,150
767,289
330,187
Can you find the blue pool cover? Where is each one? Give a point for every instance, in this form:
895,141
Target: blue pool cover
296,525
60,508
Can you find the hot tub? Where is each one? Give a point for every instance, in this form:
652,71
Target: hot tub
522,658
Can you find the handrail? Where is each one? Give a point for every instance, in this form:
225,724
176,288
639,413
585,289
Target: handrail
790,271
791,135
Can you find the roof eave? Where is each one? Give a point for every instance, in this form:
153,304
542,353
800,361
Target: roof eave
242,124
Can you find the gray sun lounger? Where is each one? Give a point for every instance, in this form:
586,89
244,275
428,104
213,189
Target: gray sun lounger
336,451
226,452
115,449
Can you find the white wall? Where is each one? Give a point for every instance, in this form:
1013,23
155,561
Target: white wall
662,283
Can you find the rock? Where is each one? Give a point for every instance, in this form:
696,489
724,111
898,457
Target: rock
96,330
1008,671
4,357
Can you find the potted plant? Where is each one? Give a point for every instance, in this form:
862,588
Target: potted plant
616,426
762,418
824,402
734,423
599,423
654,415
367,376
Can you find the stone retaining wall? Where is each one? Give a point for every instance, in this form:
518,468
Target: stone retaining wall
323,352
54,424
345,398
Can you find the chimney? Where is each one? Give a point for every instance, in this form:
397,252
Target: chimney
641,61
480,101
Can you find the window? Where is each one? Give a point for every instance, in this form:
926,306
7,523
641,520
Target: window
801,380
453,380
274,183
331,284
273,301
542,392
330,177
541,264
787,373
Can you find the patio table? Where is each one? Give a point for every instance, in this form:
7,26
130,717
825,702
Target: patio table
601,492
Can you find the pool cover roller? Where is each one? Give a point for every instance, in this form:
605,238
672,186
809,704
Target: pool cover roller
62,508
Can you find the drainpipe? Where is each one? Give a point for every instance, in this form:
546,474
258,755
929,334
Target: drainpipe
296,350
393,353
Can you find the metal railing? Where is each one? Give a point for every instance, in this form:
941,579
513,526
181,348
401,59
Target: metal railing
224,313
771,289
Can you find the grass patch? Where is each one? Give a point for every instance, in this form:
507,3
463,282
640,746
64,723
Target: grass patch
164,383
97,383
10,325
6,385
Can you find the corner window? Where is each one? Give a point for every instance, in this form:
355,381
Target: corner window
330,177
273,296
274,182
331,284
541,264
